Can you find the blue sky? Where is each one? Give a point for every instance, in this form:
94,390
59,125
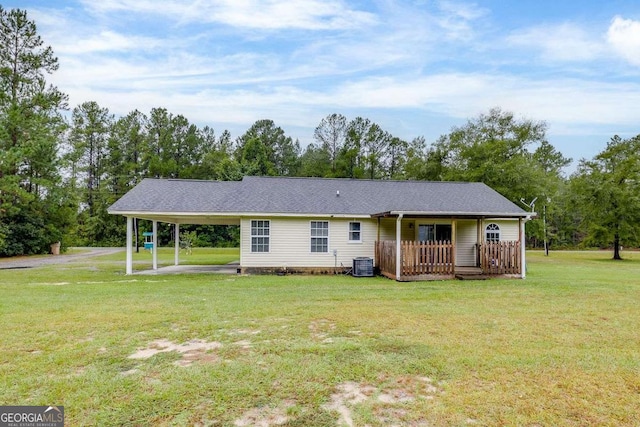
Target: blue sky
416,68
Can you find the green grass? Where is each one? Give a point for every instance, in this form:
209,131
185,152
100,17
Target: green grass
561,348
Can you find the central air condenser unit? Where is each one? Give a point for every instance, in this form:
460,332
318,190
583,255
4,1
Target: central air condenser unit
362,267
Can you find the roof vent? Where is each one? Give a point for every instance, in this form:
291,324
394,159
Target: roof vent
338,193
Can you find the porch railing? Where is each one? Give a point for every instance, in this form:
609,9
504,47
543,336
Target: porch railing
418,258
500,257
386,257
436,258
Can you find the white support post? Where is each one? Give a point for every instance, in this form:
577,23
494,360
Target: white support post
129,261
154,250
398,246
176,249
479,242
523,247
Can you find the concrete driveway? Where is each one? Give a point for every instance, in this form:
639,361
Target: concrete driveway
231,268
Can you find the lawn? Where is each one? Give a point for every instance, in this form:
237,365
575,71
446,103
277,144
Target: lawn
560,348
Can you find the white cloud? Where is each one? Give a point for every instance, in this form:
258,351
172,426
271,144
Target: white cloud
624,37
560,42
396,61
106,41
251,14
569,101
456,19
575,103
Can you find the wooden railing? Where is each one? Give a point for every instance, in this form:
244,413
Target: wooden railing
427,258
500,257
418,258
386,258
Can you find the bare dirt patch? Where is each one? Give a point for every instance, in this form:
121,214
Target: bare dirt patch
407,389
346,396
387,399
245,332
320,330
266,416
243,344
192,351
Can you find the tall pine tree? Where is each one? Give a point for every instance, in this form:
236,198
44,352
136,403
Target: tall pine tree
30,128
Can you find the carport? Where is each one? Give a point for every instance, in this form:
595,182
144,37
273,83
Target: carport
174,219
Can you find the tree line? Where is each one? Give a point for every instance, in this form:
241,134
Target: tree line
60,172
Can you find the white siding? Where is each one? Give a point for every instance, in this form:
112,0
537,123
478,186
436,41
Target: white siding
509,229
290,243
466,237
290,240
388,229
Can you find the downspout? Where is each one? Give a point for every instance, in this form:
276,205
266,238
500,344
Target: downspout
398,246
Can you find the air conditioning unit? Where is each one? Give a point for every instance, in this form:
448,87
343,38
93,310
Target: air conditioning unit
362,267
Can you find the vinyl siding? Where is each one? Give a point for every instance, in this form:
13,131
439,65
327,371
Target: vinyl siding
466,237
388,229
509,229
290,243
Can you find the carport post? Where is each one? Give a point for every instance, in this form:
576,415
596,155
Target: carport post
129,262
154,250
176,249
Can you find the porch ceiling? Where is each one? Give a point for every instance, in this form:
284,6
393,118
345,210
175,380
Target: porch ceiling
204,219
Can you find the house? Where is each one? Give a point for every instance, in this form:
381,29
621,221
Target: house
411,229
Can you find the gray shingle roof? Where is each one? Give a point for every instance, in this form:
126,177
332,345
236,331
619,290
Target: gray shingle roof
278,195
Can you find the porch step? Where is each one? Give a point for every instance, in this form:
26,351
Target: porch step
472,276
470,273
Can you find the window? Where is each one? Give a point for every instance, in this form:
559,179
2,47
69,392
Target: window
426,233
320,236
492,233
354,232
434,232
260,235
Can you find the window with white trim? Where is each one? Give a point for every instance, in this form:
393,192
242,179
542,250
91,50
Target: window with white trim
320,236
260,235
492,233
355,235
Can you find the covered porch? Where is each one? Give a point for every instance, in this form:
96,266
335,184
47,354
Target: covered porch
436,260
423,246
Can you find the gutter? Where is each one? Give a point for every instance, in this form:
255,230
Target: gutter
235,214
527,215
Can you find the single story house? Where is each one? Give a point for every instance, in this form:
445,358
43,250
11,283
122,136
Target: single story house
412,230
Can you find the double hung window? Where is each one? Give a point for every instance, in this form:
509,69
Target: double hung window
355,235
260,235
320,236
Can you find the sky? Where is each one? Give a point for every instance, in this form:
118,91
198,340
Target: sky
415,67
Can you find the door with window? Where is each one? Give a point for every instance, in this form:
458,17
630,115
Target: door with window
434,232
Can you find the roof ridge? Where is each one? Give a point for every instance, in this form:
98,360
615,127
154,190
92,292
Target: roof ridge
315,178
